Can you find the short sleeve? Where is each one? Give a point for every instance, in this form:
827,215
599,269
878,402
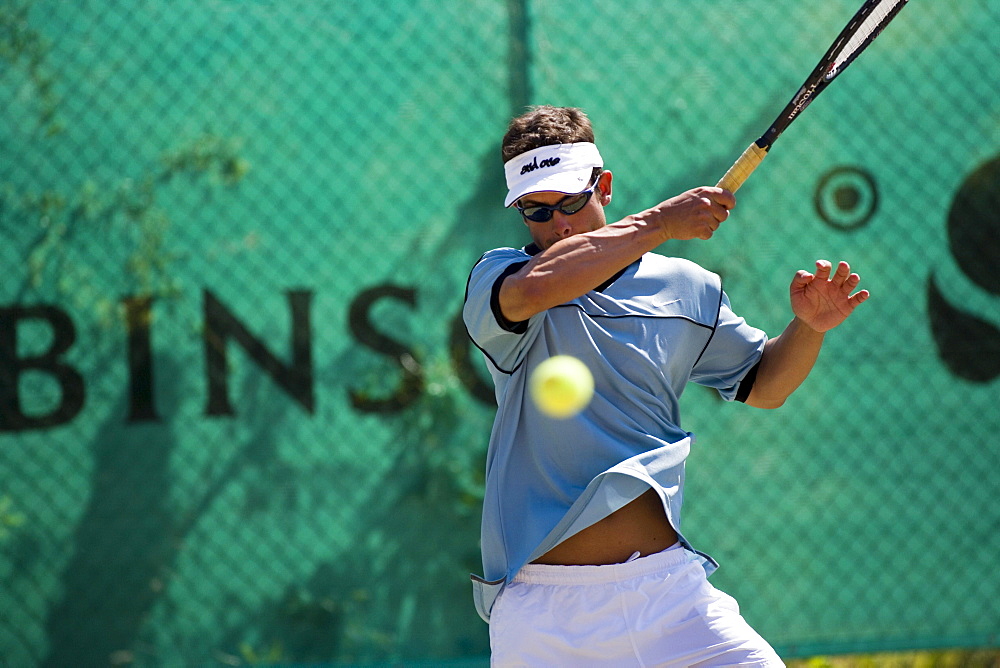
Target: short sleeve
732,351
502,341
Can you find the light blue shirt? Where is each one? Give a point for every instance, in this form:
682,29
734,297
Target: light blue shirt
659,324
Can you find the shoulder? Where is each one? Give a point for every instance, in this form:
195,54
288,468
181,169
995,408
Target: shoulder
498,262
491,268
504,254
678,271
672,286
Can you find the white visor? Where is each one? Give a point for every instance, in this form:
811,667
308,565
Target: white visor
561,168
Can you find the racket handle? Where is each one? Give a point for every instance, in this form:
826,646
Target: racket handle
742,168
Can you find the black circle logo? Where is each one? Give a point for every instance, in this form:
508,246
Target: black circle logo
846,198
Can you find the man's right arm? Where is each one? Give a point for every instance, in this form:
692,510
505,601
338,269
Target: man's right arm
573,266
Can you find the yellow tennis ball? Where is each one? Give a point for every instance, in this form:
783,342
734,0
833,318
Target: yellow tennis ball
561,386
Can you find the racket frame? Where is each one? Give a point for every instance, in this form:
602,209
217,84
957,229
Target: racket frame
822,76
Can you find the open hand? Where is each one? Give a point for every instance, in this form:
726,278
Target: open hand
821,300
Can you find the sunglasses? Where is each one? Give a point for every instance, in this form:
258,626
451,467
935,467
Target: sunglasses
570,204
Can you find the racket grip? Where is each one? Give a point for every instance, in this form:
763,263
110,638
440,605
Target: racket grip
742,168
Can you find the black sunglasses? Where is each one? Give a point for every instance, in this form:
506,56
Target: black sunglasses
570,204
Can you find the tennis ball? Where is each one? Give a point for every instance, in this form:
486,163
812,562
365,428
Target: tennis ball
561,386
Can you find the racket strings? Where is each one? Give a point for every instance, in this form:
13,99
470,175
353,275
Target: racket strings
872,24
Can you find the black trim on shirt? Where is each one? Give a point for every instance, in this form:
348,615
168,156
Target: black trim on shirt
610,316
747,384
513,327
533,249
608,283
715,326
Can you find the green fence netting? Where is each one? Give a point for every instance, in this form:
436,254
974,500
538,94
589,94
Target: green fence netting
240,421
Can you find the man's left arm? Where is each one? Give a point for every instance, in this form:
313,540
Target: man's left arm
820,302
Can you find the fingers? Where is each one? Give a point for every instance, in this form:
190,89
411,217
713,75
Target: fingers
858,298
823,269
717,202
851,282
802,277
694,214
720,196
843,278
715,215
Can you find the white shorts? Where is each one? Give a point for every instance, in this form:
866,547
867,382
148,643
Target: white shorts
658,610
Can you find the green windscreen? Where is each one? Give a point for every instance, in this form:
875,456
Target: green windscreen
240,418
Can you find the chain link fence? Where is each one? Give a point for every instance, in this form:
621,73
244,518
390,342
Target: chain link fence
240,421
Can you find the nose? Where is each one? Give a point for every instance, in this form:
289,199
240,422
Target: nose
560,224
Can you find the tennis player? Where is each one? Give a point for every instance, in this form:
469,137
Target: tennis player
584,560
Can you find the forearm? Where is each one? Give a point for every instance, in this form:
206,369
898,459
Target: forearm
579,263
785,364
576,265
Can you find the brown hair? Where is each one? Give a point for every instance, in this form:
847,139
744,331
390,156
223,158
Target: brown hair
543,126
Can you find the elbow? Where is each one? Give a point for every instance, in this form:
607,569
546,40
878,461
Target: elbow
767,403
518,302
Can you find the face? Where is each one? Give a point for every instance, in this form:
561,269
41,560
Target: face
591,217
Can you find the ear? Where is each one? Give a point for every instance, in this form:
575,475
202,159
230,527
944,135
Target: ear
604,186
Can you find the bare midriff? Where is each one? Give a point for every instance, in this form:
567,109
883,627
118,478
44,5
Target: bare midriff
640,526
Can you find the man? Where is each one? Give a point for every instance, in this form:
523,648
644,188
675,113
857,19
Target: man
585,564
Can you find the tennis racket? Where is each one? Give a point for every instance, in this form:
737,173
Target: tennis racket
860,31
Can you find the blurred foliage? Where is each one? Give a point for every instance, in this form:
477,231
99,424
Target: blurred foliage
945,658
